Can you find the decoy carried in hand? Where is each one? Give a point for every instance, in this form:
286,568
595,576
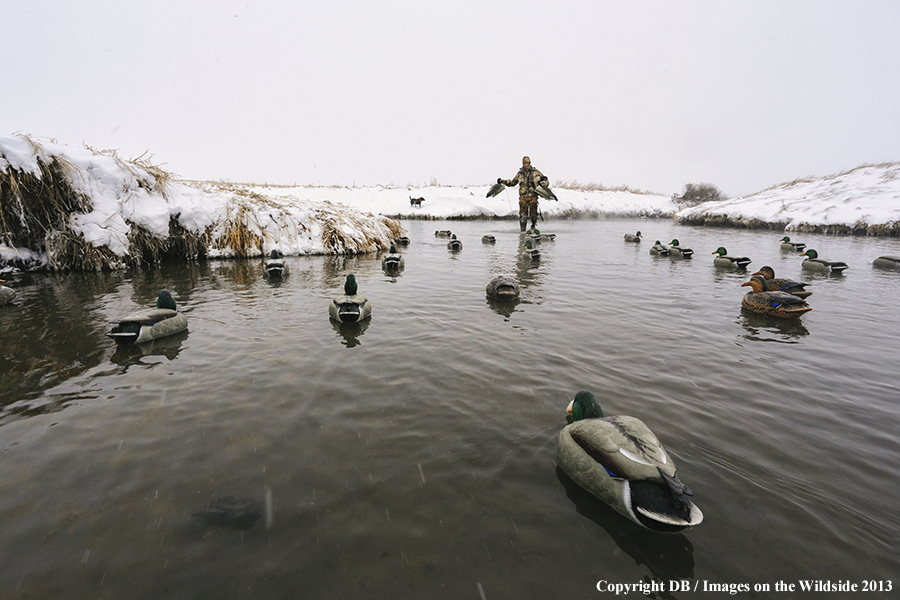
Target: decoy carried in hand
787,244
772,303
495,189
454,244
778,284
351,307
6,293
502,288
676,250
814,263
887,262
275,265
392,261
657,249
725,260
621,462
633,237
150,324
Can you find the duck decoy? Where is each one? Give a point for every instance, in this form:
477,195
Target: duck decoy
401,241
778,284
529,252
6,294
488,239
454,244
150,324
351,307
657,249
772,303
392,261
275,265
676,250
539,237
442,233
725,260
636,237
882,262
814,263
787,244
494,190
502,288
621,462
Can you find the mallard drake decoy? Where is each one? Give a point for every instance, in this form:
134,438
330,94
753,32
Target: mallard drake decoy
275,265
502,288
392,261
488,239
147,325
633,237
773,284
620,461
351,307
6,294
814,263
882,262
401,241
529,252
676,250
787,244
442,233
454,244
724,260
539,237
657,249
774,304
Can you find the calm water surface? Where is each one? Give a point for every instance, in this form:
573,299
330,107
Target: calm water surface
415,457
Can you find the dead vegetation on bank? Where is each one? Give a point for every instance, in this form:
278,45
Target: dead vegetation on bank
38,210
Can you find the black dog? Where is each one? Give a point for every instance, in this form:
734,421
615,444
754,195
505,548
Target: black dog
416,201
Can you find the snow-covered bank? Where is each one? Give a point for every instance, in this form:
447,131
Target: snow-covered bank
864,200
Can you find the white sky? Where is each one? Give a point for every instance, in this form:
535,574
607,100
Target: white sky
650,94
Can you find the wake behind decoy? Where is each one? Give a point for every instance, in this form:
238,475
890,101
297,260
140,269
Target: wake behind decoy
151,324
621,462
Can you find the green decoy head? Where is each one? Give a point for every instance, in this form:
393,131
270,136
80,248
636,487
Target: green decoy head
721,251
674,242
275,253
638,234
528,244
584,406
785,239
658,243
165,300
350,286
811,254
393,249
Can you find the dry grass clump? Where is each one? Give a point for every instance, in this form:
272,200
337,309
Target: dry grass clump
354,232
241,231
146,175
596,187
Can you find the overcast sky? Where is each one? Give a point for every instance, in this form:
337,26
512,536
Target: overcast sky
648,94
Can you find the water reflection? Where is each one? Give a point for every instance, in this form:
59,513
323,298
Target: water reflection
127,355
668,557
350,332
758,325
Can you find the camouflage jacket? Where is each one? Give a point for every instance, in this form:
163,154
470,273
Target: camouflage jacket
526,182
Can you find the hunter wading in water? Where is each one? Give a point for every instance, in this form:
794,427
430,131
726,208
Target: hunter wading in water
528,178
